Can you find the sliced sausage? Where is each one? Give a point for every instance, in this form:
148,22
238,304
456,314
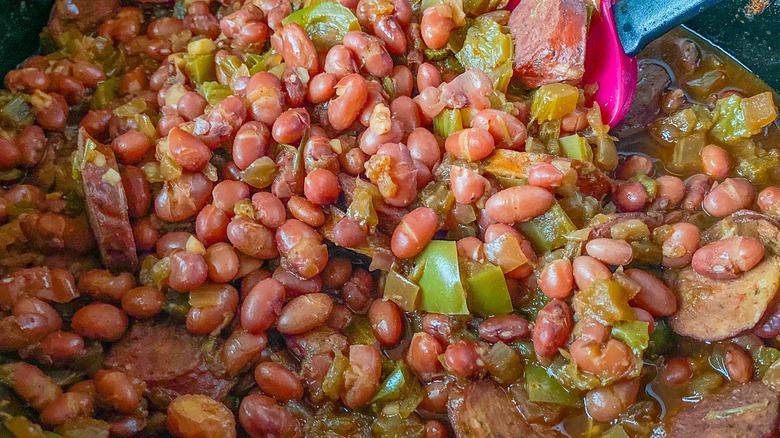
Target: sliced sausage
106,203
737,411
652,81
739,303
549,40
483,409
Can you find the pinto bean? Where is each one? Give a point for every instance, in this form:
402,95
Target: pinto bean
304,313
679,247
385,320
610,251
670,192
728,258
261,416
414,232
518,204
371,52
557,279
504,328
552,329
595,353
653,296
728,197
606,403
278,382
351,95
715,161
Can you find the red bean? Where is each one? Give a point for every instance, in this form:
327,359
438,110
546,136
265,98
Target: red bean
371,52
385,320
504,328
557,279
241,348
250,144
470,144
348,233
670,191
435,397
606,403
262,305
62,346
392,169
89,74
403,82
197,415
351,95
261,417
339,62
545,175
630,196
677,371
139,198
269,210
101,284
298,49
191,105
518,204
100,321
252,238
769,200
182,198
715,161
31,143
51,114
188,271
227,193
296,285
321,187
10,156
304,313
414,232
679,247
653,296
728,258
632,165
211,225
728,197
738,363
552,329
301,248
336,273
143,302
464,359
467,185
507,130
587,270
436,25
66,407
278,382
361,379
423,356
188,150
427,76
222,262
266,97
290,125
610,251
116,389
357,291
696,187
216,311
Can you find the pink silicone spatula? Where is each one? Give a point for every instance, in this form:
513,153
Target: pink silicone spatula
616,35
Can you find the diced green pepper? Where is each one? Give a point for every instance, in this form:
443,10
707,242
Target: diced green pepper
542,387
548,231
200,68
615,431
576,148
264,62
763,358
402,389
604,300
325,22
504,363
488,294
15,112
214,92
489,48
21,427
477,7
401,291
635,334
730,124
705,384
359,331
554,101
105,94
334,379
440,285
447,122
687,151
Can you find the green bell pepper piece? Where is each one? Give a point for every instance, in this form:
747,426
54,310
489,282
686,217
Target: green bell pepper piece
442,290
730,122
325,22
634,334
763,358
605,300
359,331
576,148
489,48
542,387
201,68
21,427
488,294
264,62
214,92
402,389
15,112
105,94
447,122
548,231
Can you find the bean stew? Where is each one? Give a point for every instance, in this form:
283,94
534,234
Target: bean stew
381,218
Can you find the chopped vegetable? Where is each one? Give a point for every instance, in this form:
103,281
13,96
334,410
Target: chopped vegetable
325,22
105,94
616,431
651,187
488,294
264,62
200,68
763,358
576,147
554,101
604,300
730,124
687,151
542,387
759,110
634,334
359,331
334,379
400,393
448,122
489,48
15,112
504,363
548,231
401,291
440,285
726,413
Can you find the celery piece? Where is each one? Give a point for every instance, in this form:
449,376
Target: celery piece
442,290
542,387
447,122
554,101
576,148
548,231
687,151
488,47
488,294
325,22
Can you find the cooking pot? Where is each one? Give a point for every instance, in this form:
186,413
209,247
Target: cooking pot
752,40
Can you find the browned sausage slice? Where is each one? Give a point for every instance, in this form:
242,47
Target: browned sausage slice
712,310
738,411
549,40
106,203
483,409
169,359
